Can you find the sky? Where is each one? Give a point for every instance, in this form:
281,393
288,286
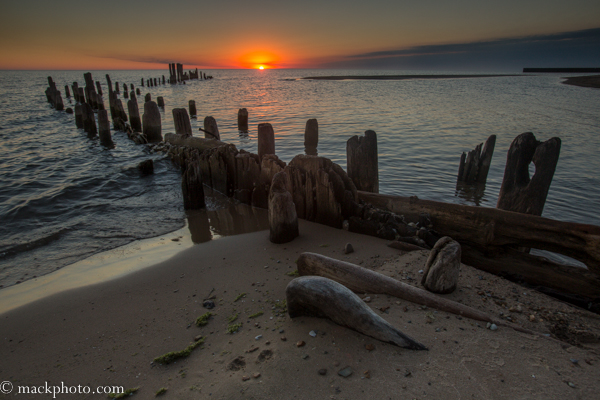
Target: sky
467,35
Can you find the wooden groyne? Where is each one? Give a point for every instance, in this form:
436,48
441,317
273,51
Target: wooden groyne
496,240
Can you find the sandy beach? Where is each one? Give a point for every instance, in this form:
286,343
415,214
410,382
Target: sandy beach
110,333
592,81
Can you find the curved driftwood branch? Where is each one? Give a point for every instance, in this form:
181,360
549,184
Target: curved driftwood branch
322,297
362,280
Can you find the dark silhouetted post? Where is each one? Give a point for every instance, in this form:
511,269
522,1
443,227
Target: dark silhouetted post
182,122
266,140
152,124
311,133
363,167
211,130
104,129
160,101
79,116
89,120
134,114
192,105
243,120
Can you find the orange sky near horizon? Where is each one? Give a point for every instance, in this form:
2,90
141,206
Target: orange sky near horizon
108,35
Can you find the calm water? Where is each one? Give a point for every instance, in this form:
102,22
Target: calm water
63,196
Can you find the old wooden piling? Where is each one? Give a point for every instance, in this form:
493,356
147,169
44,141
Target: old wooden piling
191,187
519,192
211,130
311,133
363,168
120,116
99,88
138,92
79,116
75,87
104,129
67,92
134,114
475,165
182,122
192,106
242,120
283,220
160,101
89,120
147,98
266,140
152,128
142,82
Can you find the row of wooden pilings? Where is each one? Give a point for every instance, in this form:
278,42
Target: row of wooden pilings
316,189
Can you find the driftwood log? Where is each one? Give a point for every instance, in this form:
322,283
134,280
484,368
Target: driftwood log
487,236
362,280
322,297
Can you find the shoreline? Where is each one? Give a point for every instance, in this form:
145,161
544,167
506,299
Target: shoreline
109,333
591,81
403,77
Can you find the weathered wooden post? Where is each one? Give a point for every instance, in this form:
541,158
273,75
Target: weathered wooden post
155,84
152,124
475,165
147,98
311,133
363,169
120,116
81,95
99,88
117,87
78,116
182,122
99,102
104,129
163,79
243,120
67,92
160,101
211,130
266,140
142,82
125,92
109,83
192,105
131,87
519,192
89,120
191,187
138,92
134,114
283,220
75,88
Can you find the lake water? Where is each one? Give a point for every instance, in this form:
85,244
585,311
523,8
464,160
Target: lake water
64,197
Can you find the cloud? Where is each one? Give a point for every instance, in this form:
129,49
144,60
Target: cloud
566,49
187,63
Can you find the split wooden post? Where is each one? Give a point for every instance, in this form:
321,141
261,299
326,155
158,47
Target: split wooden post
266,140
182,122
152,124
134,114
475,165
363,168
99,88
211,130
243,120
519,192
192,106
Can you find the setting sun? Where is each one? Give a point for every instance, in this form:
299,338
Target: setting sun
261,67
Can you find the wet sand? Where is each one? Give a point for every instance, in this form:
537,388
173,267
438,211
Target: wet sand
400,77
109,333
592,81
